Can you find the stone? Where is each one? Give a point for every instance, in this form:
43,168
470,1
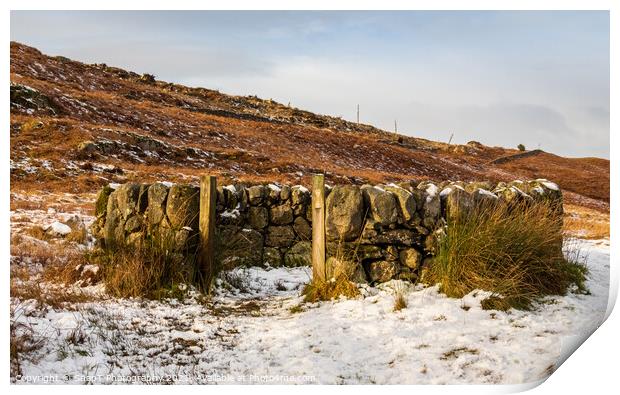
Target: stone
308,213
300,196
182,239
382,205
431,204
302,228
280,236
472,187
406,274
133,224
391,253
127,197
344,213
406,202
366,252
352,270
240,247
135,240
299,255
154,215
258,217
281,215
457,202
256,194
101,203
113,230
220,197
157,194
272,257
285,192
484,198
182,206
273,193
231,197
399,237
410,258
382,271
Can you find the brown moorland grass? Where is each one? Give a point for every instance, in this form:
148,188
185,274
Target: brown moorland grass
249,138
585,223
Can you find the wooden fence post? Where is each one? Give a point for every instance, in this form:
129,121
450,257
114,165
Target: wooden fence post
208,196
318,227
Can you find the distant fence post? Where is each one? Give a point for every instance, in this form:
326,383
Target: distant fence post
318,227
208,195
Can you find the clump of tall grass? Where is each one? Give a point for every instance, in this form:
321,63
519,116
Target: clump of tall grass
153,268
329,289
513,251
340,269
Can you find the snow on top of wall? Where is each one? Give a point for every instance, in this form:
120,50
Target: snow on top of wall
431,192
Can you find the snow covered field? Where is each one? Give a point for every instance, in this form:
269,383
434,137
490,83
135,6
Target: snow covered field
264,335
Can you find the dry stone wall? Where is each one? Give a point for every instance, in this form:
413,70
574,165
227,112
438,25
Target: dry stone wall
375,232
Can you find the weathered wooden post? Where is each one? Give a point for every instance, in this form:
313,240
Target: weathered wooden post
318,227
206,225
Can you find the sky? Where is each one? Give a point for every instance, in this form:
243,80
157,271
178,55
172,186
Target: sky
538,78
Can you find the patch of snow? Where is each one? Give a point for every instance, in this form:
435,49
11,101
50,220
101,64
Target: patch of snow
445,192
114,185
231,188
90,268
551,185
431,192
483,191
274,188
230,213
253,336
58,228
304,189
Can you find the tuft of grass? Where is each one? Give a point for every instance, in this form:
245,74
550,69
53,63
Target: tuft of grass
399,302
514,251
296,309
153,269
330,289
338,278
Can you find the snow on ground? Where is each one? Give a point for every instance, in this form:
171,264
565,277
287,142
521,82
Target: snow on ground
259,336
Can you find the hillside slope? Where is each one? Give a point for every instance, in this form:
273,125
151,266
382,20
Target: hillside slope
75,127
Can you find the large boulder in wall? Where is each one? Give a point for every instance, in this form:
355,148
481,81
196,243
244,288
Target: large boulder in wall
344,213
240,247
457,202
281,215
258,217
382,205
406,201
431,204
280,236
299,254
182,206
382,271
114,228
131,199
155,212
